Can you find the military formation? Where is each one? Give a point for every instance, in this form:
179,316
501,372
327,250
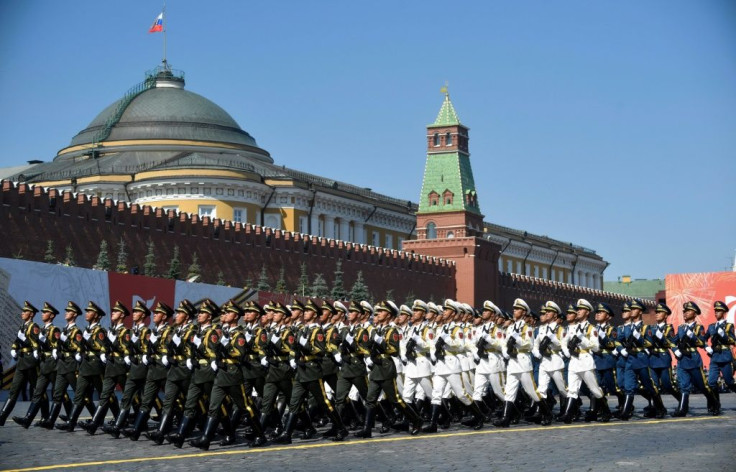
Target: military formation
278,372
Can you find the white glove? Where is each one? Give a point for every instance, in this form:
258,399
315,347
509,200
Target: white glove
536,353
487,338
42,338
248,337
64,337
338,358
264,361
349,339
690,333
624,353
506,356
292,363
127,360
144,359
601,334
54,354
35,354
615,353
196,340
213,366
721,333
275,339
86,335
404,360
377,339
134,338
517,337
154,338
417,339
111,336
190,366
637,334
103,358
709,350
21,335
476,358
678,354
78,357
224,341
659,334
303,340
165,361
447,337
176,339
368,362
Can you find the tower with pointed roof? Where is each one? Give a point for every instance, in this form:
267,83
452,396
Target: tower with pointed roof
449,221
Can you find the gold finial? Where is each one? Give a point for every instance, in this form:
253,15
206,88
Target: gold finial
445,89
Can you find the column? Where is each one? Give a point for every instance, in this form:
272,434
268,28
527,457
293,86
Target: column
329,226
359,232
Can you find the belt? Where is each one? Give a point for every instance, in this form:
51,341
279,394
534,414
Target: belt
691,349
26,350
253,357
204,362
309,358
383,356
229,361
178,358
46,354
721,348
67,355
660,350
280,358
606,351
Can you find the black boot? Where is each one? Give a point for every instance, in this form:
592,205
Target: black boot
26,421
159,435
140,423
476,422
432,426
115,429
7,409
203,442
230,426
545,412
367,431
48,423
683,407
285,437
340,431
97,420
414,419
259,434
604,412
628,408
186,425
73,417
592,413
620,406
508,413
571,410
659,410
732,387
716,401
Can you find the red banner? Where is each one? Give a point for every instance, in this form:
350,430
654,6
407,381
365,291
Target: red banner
130,288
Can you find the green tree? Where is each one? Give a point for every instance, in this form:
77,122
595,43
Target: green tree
49,256
149,267
263,284
103,258
410,297
303,287
319,287
338,288
122,265
220,278
69,257
390,294
281,283
175,265
194,269
360,292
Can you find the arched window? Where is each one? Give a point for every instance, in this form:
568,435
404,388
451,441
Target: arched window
450,235
448,139
434,198
431,231
447,197
436,139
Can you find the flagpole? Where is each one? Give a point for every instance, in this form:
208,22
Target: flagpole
166,65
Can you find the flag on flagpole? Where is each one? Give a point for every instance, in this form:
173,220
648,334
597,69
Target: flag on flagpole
158,25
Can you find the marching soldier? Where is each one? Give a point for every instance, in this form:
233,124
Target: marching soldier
605,358
155,355
48,346
660,362
548,348
117,357
254,373
722,339
620,359
69,353
136,380
280,375
25,351
418,370
91,368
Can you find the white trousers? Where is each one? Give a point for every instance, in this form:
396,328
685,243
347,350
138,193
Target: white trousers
575,381
483,380
451,383
526,379
419,388
555,376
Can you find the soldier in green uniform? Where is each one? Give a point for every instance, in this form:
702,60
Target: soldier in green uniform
117,360
305,359
203,352
25,351
91,368
136,380
68,352
382,377
153,348
48,342
254,374
229,383
178,351
280,374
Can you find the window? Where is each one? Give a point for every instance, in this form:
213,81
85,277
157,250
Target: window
172,207
431,231
434,198
376,240
450,235
509,266
436,139
273,221
351,232
206,210
240,215
448,139
303,225
389,241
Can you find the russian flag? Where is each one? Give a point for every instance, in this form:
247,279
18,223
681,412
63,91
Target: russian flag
158,25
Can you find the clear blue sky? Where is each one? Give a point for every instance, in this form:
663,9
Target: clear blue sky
611,124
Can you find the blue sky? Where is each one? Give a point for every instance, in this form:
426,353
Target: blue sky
611,124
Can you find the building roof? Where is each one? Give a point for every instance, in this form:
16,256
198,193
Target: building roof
447,115
537,240
637,288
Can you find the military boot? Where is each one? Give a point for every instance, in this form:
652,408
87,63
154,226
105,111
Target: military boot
508,413
628,409
7,409
432,426
203,442
120,422
97,420
604,412
159,435
367,431
26,421
73,417
683,407
186,425
140,423
48,423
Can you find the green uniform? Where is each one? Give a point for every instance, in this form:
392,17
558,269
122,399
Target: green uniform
254,374
48,353
229,376
179,375
71,345
280,375
157,347
330,368
353,370
136,381
203,377
117,352
26,369
382,376
91,367
308,359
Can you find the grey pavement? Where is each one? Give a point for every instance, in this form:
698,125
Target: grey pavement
697,442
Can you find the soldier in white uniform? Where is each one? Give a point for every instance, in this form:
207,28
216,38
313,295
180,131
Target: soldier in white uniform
466,358
418,369
547,348
516,350
487,356
579,344
449,341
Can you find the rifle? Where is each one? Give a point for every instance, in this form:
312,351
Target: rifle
481,346
573,346
511,347
411,353
439,349
544,348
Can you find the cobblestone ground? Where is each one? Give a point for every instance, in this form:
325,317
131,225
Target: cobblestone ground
697,442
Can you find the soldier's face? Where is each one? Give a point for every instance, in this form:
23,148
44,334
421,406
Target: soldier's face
180,318
26,315
158,318
660,316
635,314
309,315
353,316
47,316
720,314
519,313
601,316
689,315
70,316
582,314
138,316
203,317
116,315
571,316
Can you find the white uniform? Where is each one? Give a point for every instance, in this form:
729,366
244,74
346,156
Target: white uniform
447,371
551,368
582,366
519,368
418,372
490,366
